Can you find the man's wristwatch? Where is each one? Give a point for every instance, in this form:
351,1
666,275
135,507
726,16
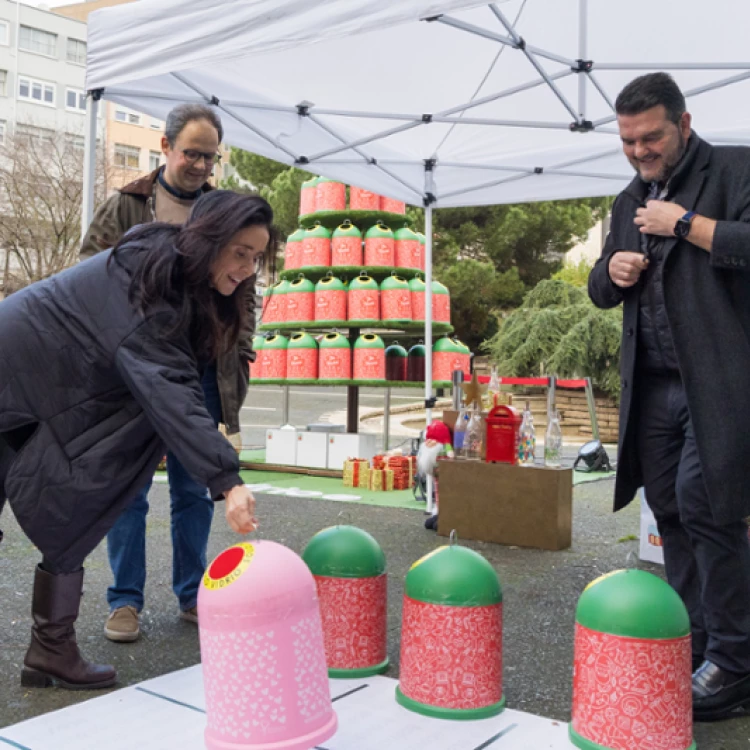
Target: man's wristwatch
682,227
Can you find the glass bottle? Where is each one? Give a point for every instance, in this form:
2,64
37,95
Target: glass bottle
459,432
553,441
526,438
493,390
474,437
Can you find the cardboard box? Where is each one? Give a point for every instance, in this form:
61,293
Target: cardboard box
650,547
526,506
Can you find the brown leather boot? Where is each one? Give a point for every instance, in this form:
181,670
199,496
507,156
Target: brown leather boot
53,656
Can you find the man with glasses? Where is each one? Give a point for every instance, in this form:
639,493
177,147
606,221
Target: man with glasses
190,145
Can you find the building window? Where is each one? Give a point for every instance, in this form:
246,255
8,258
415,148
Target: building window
75,100
156,124
128,157
134,119
154,160
38,41
128,116
3,82
2,132
4,33
121,115
35,133
76,141
76,52
40,92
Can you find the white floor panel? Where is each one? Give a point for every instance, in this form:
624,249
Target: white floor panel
169,712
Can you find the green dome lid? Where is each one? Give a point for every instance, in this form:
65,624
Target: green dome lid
405,234
417,284
379,230
418,350
394,282
363,281
312,182
330,284
276,341
317,230
344,552
395,350
454,576
280,287
438,288
302,341
258,343
297,235
326,179
347,229
334,341
447,344
369,341
301,284
633,604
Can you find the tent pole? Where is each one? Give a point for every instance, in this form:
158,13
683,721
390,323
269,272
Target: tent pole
582,51
89,161
429,187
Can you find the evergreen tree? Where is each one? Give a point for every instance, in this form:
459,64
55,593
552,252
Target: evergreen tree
557,330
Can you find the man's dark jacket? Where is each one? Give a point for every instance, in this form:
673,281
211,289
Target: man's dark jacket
107,391
707,301
133,205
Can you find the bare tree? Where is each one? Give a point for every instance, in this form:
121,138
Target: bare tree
41,190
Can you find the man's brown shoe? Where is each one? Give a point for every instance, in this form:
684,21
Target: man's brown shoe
122,625
191,615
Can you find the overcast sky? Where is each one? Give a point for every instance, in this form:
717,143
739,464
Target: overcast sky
47,3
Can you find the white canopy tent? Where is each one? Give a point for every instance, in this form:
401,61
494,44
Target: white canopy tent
435,102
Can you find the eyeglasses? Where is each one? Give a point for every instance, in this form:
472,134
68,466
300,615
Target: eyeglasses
192,156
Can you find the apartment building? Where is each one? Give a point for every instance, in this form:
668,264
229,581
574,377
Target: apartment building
42,73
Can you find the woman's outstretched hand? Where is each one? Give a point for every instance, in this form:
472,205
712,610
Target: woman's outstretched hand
240,509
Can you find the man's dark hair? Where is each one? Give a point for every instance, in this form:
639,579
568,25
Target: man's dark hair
174,267
649,91
182,114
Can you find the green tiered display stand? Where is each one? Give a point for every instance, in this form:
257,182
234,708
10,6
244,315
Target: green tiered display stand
363,220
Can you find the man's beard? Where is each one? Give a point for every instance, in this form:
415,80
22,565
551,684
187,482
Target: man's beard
427,458
670,162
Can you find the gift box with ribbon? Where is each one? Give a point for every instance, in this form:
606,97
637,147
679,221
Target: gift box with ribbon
381,480
356,472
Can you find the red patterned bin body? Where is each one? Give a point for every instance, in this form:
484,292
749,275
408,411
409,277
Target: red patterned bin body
451,657
302,358
307,196
363,200
330,195
330,305
364,299
274,303
354,621
335,358
380,247
395,299
441,303
444,363
300,301
273,358
346,250
392,205
316,247
293,250
369,358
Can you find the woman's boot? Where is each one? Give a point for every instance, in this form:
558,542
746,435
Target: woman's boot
53,656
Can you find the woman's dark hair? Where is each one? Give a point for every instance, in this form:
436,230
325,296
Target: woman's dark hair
174,267
649,91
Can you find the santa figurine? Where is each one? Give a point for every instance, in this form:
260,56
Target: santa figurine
437,445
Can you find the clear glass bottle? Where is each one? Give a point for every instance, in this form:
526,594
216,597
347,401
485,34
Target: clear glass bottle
553,441
459,432
493,390
474,435
526,438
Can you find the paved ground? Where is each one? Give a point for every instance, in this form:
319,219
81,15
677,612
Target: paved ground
541,590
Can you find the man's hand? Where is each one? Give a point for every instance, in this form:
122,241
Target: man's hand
625,268
240,510
658,218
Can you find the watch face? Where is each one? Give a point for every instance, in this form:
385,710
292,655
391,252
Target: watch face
682,229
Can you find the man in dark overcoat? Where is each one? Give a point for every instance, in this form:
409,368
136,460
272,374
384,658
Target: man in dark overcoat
678,258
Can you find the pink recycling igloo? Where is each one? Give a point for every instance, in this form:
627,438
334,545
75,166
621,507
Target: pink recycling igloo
264,665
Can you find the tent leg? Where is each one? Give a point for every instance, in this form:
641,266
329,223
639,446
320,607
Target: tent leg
89,162
428,332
